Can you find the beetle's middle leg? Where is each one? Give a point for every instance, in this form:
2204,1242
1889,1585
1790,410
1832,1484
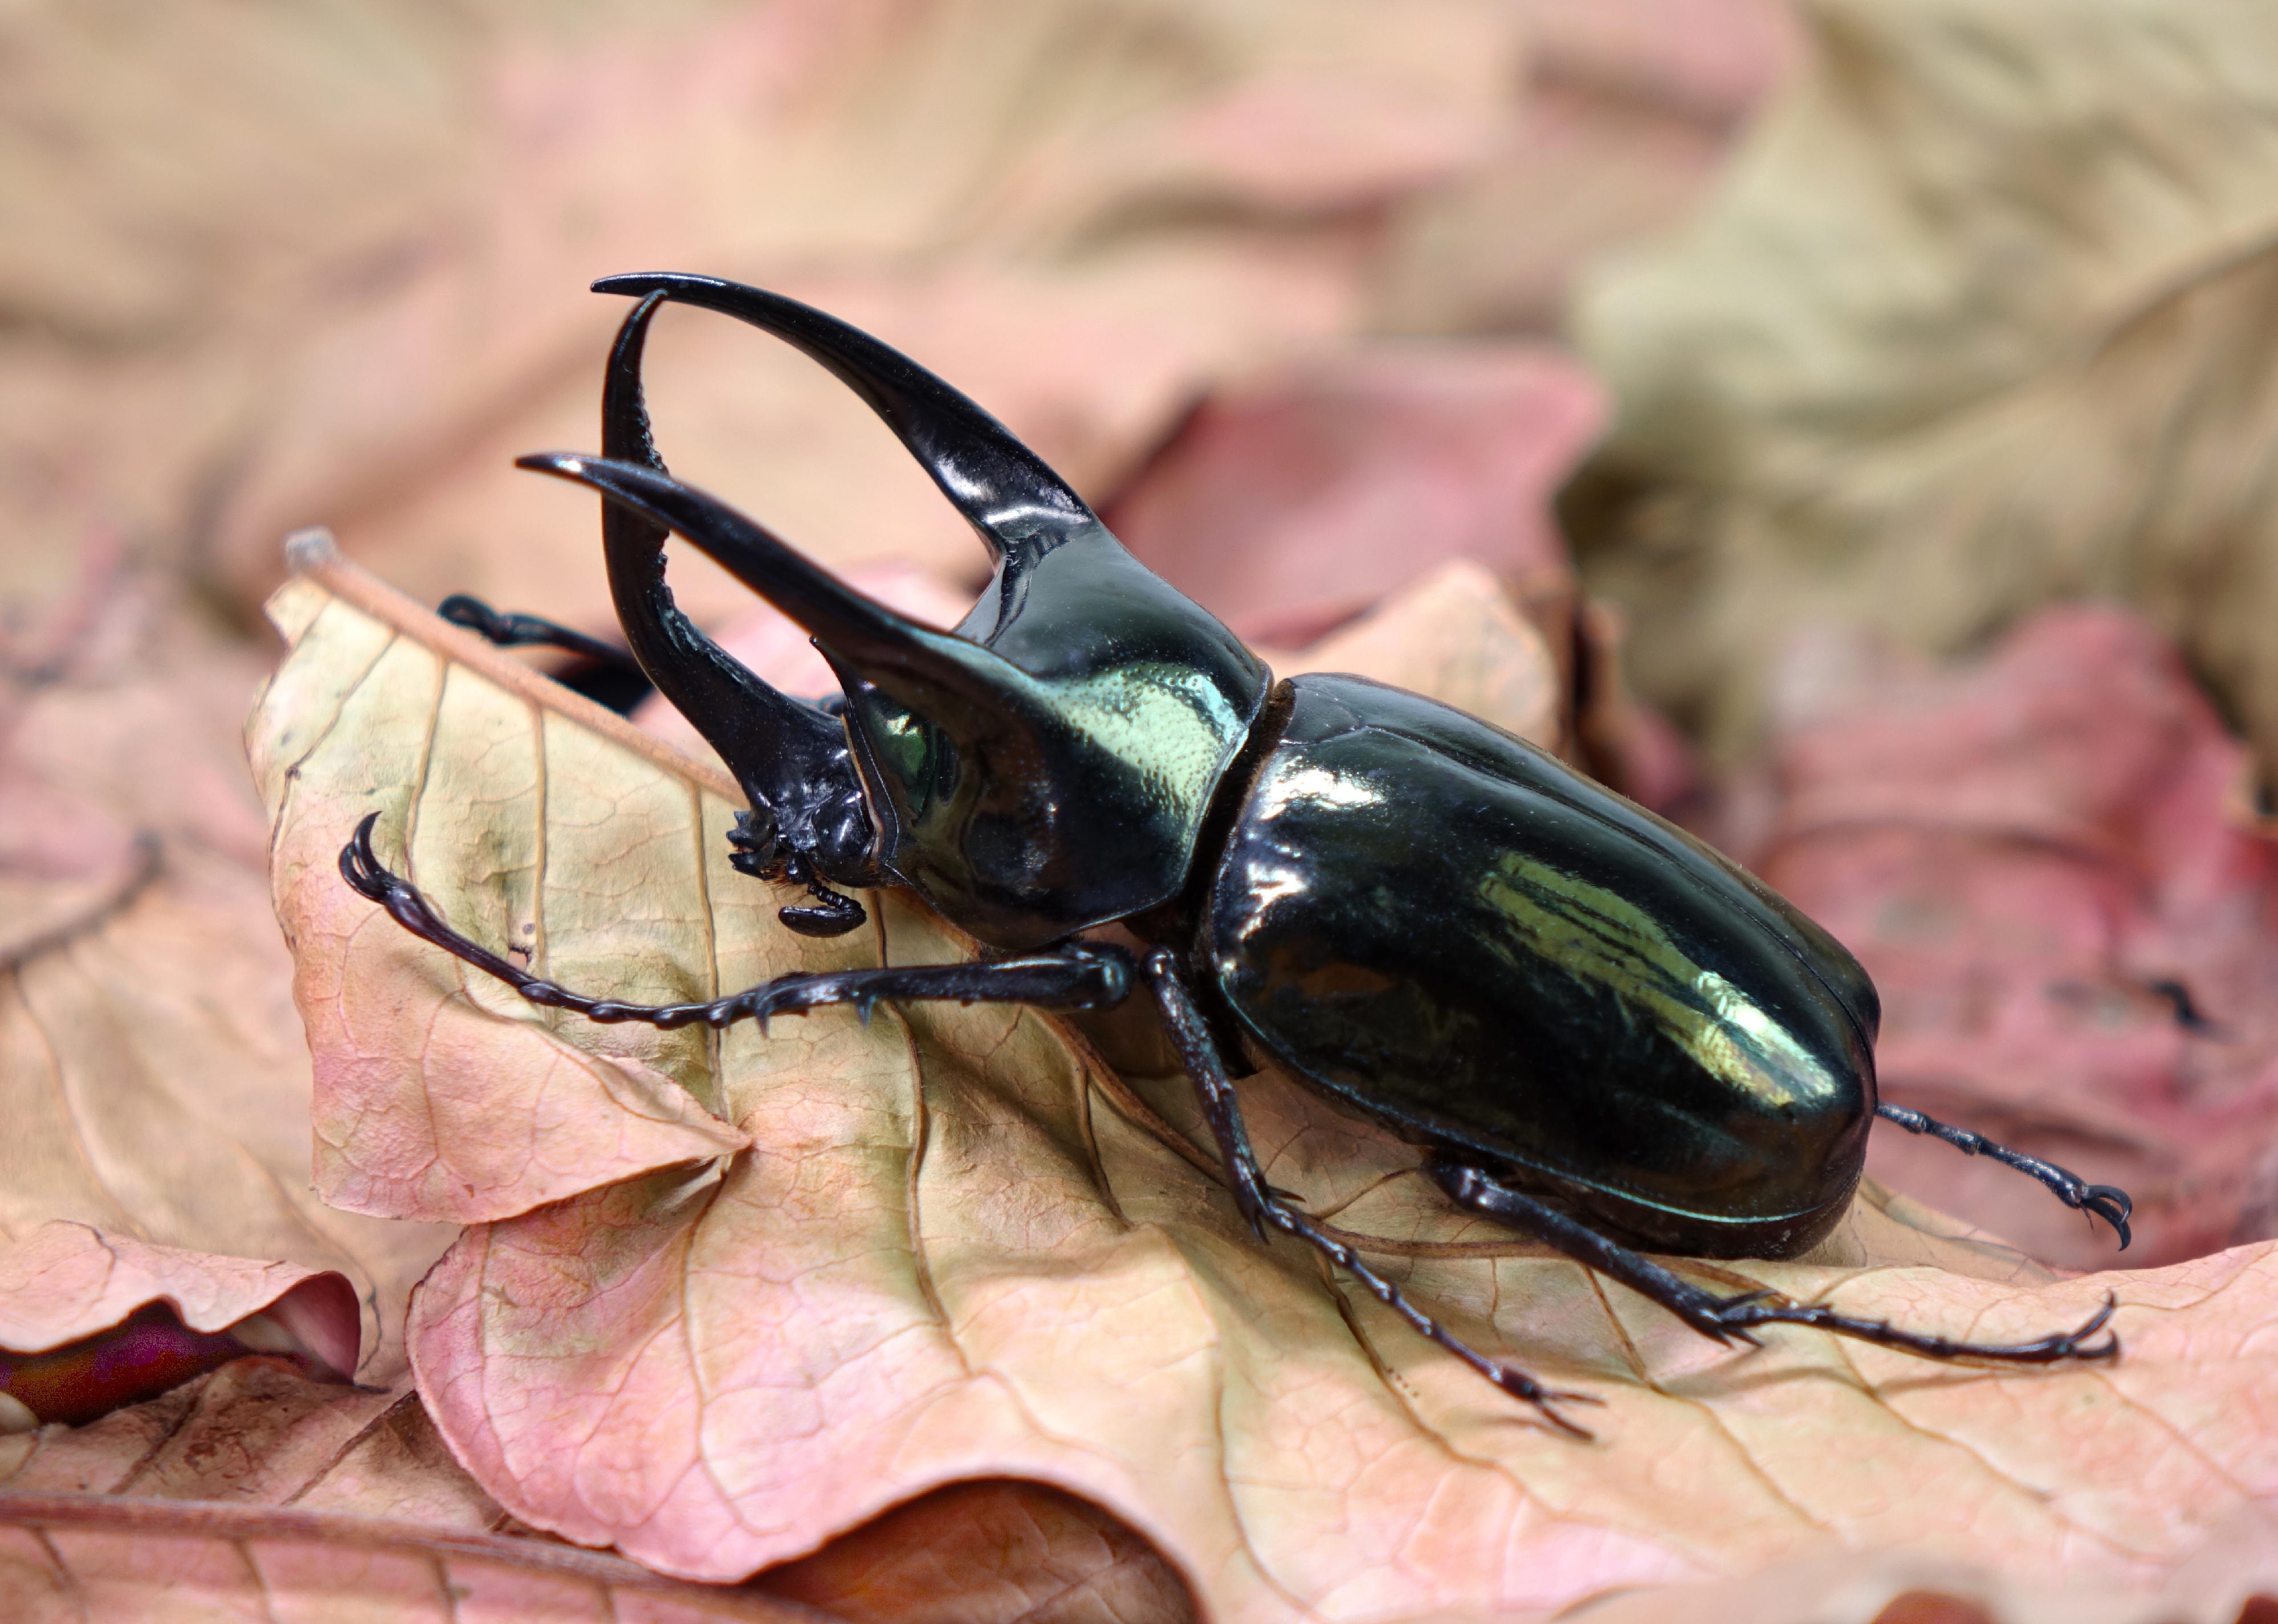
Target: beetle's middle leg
1265,1209
1732,1318
2108,1202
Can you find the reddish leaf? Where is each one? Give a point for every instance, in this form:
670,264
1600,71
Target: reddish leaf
2042,860
1289,504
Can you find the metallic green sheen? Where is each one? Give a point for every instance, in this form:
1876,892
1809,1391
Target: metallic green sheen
1455,932
991,764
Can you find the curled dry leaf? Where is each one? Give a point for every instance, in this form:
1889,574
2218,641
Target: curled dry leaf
989,1554
960,1246
91,1322
1956,340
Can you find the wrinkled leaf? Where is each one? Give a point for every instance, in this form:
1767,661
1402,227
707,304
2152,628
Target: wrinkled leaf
962,1247
257,1434
1980,318
89,1321
257,1492
153,1073
259,1430
67,1559
432,1108
2041,860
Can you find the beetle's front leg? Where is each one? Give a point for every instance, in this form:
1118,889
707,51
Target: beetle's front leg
1076,975
1732,1318
1265,1209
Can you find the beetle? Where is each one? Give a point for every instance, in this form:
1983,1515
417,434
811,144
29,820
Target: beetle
1600,1032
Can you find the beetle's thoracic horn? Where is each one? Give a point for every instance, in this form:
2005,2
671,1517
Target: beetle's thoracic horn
856,630
773,744
1021,506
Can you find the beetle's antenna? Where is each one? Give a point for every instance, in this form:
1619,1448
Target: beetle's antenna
856,630
1008,494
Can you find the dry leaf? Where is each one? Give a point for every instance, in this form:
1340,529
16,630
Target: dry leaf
255,1492
1459,637
2039,858
153,1071
69,1560
279,269
960,1247
2232,1582
258,1434
989,1554
1291,503
1981,318
89,1321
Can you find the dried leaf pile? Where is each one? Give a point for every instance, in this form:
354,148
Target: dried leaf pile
843,1264
336,1281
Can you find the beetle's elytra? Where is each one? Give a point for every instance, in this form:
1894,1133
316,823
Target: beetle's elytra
1603,1034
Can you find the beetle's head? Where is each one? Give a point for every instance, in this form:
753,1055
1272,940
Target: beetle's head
1047,764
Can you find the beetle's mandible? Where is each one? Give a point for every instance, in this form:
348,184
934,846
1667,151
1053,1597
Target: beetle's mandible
1603,1034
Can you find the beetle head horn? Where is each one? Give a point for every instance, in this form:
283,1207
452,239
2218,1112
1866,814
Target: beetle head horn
1048,765
1024,806
854,630
1021,508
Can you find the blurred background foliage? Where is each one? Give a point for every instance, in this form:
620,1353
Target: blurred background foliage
265,266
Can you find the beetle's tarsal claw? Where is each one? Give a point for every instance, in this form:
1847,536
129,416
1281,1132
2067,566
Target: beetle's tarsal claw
1546,1401
2113,1206
2109,1349
360,868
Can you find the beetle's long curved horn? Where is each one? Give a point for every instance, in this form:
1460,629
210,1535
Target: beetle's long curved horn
857,631
1008,494
774,745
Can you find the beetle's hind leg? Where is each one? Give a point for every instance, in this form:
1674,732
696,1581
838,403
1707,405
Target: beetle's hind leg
1267,1208
2108,1202
1733,1318
1073,976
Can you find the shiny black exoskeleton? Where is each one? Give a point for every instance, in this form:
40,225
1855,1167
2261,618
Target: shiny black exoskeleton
1603,1034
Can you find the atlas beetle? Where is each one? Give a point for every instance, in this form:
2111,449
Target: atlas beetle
1603,1034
